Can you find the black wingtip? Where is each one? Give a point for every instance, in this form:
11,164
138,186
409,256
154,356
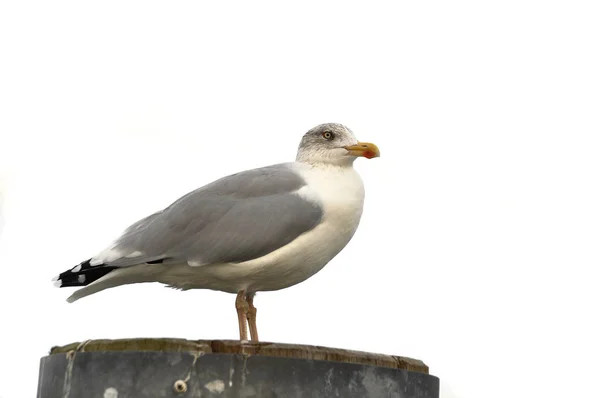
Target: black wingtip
82,274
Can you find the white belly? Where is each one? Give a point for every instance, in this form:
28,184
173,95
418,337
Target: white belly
340,192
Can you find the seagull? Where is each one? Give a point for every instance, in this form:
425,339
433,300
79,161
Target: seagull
263,229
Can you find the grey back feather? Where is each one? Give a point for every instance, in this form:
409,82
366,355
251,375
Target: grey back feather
234,219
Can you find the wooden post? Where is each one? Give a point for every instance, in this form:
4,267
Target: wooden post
227,369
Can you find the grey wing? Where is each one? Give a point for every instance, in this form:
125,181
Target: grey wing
234,219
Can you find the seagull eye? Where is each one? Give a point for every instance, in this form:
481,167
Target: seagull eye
328,135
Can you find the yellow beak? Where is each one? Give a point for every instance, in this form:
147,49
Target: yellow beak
364,149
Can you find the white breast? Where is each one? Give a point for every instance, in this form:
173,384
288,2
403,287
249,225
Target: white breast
340,192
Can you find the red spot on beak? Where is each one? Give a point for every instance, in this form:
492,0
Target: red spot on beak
369,154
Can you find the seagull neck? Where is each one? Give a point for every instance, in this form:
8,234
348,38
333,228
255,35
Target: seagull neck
321,163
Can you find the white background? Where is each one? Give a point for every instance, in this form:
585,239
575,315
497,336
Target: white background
478,248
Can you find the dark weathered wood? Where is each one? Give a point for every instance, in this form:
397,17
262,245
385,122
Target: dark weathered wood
248,349
227,369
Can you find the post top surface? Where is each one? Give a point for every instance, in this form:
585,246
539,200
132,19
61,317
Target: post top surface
247,348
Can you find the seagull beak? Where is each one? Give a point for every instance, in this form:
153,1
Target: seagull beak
364,149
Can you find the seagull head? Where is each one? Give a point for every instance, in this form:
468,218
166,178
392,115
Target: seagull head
333,143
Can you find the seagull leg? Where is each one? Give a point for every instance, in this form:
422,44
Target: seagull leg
252,317
242,310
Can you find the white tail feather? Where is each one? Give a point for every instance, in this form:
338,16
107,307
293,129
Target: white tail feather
118,277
